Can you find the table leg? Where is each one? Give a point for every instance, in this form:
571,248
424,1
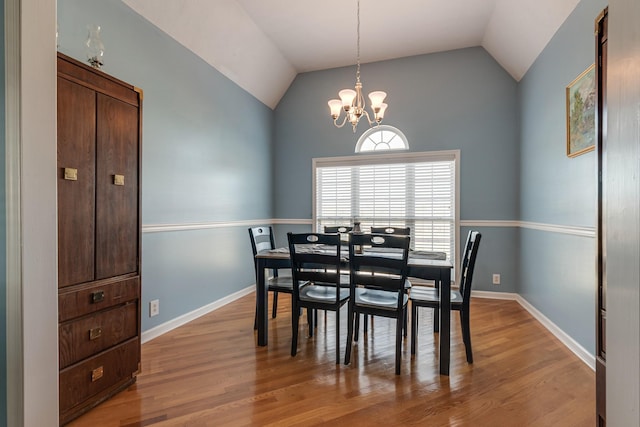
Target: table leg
445,320
261,303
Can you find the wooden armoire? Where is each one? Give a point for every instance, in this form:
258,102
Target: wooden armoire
99,231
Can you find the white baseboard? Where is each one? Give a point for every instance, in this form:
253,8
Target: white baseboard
571,344
156,331
494,295
564,338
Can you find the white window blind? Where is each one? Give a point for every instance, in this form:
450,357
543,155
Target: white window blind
417,191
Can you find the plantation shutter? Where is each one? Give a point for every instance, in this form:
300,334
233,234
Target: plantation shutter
416,192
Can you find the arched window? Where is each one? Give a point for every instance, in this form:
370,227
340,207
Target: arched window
382,137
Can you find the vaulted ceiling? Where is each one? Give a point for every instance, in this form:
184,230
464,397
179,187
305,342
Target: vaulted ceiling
262,44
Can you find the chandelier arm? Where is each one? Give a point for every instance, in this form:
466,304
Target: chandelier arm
344,121
371,123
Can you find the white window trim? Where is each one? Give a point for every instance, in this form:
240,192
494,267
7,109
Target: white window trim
379,128
387,158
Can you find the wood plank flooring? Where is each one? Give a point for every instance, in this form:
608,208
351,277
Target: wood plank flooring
211,373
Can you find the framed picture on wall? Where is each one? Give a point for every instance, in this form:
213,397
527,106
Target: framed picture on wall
581,113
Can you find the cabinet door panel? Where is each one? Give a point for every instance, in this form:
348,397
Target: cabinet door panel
76,198
116,205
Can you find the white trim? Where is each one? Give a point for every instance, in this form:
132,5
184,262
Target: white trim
13,227
564,338
495,295
488,223
174,323
292,221
381,128
162,228
370,159
564,229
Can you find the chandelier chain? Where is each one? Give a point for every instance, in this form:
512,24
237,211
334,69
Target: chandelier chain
358,45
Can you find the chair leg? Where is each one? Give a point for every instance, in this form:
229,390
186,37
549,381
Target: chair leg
337,336
436,320
365,318
255,320
405,321
294,329
350,320
414,327
466,334
310,321
274,309
399,322
357,321
436,311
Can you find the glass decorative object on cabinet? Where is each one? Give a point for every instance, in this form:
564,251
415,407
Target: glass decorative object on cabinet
95,47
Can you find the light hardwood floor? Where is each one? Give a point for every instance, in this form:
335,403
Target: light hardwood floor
210,373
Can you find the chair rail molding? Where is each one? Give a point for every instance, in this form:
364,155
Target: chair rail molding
161,228
553,228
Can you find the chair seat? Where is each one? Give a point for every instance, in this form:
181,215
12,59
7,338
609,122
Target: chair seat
320,293
280,284
385,300
425,295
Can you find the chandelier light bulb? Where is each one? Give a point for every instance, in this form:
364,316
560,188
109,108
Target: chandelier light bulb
377,98
335,105
347,96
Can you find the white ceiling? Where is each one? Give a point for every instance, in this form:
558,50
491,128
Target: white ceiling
262,44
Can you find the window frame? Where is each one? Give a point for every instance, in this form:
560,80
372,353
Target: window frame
376,158
367,134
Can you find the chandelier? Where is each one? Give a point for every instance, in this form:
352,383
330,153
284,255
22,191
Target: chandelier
352,101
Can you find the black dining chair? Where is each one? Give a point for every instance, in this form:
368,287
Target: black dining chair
342,229
378,273
460,298
262,240
315,265
402,231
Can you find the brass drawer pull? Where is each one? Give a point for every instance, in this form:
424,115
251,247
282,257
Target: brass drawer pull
118,179
97,296
97,373
71,174
95,333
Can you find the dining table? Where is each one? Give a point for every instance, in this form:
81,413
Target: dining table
422,264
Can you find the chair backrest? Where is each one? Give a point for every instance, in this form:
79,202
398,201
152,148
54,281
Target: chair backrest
468,264
402,231
379,262
337,229
315,258
261,239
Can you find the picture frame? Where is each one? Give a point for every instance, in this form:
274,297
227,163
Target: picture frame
581,100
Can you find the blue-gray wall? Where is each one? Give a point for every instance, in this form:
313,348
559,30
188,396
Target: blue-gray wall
206,157
214,153
3,240
558,270
459,100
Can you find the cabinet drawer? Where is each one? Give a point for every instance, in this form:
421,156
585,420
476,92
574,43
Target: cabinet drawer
84,380
92,334
83,300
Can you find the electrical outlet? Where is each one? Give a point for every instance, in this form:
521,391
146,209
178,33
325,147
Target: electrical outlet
154,307
496,279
